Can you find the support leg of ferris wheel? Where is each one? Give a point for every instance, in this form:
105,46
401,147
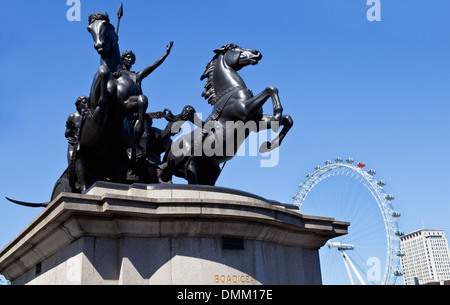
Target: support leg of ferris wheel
347,261
352,281
346,258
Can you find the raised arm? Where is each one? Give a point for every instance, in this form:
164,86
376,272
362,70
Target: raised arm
146,72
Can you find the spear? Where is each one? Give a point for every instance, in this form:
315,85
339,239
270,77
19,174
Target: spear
119,16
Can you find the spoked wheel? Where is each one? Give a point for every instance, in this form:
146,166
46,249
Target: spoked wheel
347,192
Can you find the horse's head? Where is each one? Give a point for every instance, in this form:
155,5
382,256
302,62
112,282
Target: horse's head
103,33
230,56
237,57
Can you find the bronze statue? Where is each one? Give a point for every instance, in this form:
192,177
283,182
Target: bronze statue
139,170
146,164
118,110
111,137
232,102
129,59
73,125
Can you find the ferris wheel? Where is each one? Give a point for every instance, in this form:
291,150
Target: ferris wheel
349,192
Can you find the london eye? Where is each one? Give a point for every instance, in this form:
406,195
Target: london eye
370,252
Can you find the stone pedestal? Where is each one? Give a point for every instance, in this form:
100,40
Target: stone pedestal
168,234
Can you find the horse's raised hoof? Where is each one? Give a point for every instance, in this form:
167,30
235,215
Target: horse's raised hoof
265,147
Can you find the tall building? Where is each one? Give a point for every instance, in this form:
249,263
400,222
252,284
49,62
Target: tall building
425,257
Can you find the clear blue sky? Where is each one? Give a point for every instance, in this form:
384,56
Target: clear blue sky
374,91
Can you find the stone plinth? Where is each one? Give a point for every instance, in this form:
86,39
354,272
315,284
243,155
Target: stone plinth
168,234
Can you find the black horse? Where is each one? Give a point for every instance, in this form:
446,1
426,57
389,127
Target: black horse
115,97
110,125
236,112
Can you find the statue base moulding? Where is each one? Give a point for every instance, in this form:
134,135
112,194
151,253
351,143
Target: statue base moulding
168,235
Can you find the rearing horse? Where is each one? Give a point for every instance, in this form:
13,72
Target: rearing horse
115,97
233,103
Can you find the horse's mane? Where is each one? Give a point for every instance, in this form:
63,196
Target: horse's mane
101,16
210,92
98,16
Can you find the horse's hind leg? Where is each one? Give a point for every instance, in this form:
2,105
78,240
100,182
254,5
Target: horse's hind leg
192,172
209,175
81,173
164,174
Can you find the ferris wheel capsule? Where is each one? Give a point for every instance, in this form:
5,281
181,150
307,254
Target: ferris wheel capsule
400,253
381,183
396,214
317,167
399,233
361,165
371,172
328,162
349,161
338,160
389,197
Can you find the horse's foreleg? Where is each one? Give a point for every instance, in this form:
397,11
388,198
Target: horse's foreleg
104,74
256,102
99,95
267,122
